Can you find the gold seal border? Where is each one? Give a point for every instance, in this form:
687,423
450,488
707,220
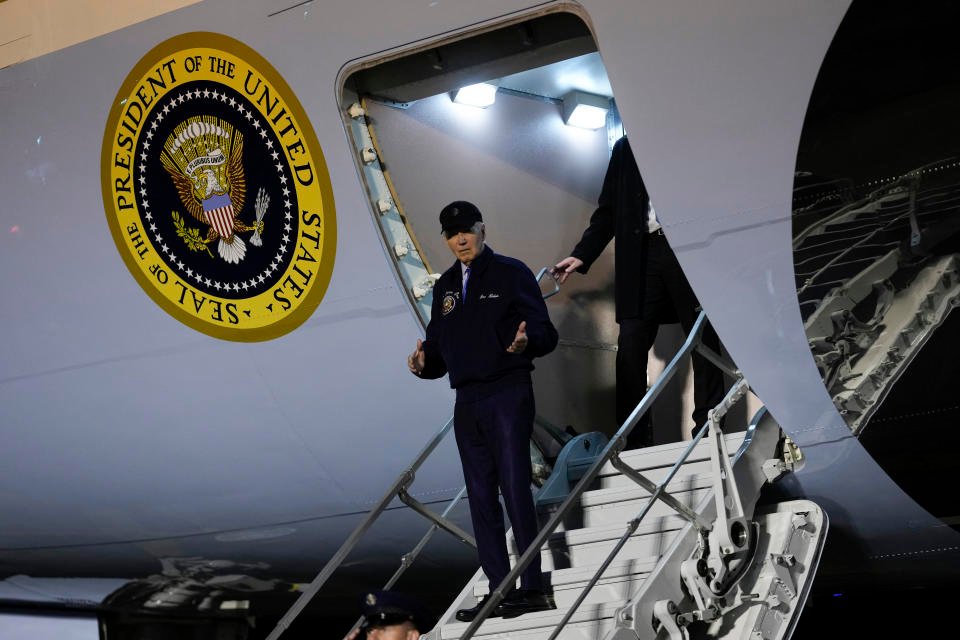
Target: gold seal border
209,40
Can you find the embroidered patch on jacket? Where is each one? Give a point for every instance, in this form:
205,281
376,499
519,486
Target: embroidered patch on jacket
449,302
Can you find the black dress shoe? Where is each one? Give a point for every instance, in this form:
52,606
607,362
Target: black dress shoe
467,615
523,601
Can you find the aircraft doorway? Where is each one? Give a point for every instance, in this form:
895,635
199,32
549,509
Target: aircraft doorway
534,174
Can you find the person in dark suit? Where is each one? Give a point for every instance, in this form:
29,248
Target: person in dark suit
649,290
488,322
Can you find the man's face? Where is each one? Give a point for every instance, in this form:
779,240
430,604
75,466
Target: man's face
467,245
402,631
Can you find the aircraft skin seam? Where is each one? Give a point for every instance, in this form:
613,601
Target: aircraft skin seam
182,536
871,183
815,429
913,553
918,413
730,216
417,494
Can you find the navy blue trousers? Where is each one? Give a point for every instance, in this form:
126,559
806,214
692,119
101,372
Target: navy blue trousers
493,436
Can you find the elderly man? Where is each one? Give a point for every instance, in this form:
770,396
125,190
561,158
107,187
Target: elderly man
487,325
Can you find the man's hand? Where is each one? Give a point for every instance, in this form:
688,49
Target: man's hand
417,360
565,267
520,341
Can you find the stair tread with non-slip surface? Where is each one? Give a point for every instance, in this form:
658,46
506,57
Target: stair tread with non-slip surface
680,488
574,578
666,455
619,513
561,538
693,470
542,621
595,552
579,541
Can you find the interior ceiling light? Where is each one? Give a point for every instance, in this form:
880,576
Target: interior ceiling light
585,110
476,95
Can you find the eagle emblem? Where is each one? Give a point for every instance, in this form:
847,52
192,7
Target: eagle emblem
449,302
204,157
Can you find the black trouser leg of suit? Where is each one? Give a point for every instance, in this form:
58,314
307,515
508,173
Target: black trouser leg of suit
493,436
664,284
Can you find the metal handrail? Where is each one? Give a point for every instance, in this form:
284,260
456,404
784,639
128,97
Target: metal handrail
556,283
615,445
406,560
400,484
397,490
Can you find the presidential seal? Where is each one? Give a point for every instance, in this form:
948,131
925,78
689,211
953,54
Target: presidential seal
449,302
216,190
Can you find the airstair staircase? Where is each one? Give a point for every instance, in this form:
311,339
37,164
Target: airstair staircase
646,590
664,542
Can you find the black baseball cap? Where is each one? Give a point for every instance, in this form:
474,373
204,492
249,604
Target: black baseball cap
386,608
459,216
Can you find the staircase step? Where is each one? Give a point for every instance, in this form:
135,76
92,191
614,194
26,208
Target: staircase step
665,455
616,506
574,552
698,468
656,462
622,579
561,538
590,622
679,487
591,546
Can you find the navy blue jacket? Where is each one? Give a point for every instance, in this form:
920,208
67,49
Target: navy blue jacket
469,339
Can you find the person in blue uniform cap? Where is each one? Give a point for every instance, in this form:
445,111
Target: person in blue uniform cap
488,323
391,615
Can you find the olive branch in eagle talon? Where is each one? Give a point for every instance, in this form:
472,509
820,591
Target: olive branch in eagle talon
190,235
259,208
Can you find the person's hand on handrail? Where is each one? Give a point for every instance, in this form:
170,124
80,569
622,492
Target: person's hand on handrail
565,267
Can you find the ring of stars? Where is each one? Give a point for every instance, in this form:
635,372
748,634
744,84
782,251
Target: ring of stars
172,258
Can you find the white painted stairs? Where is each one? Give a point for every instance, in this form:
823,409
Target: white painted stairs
576,550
